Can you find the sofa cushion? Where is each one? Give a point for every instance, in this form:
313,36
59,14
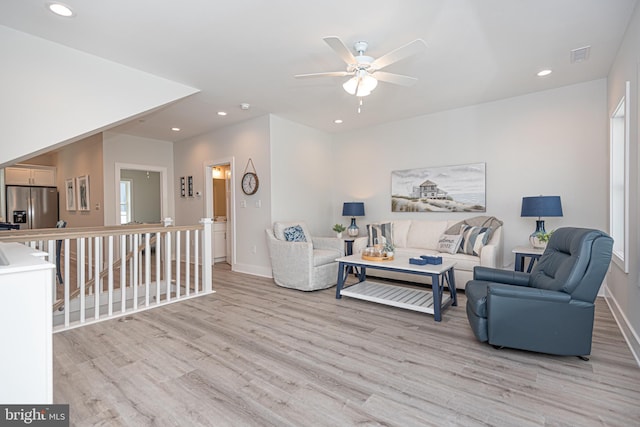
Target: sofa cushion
473,239
449,243
425,234
294,234
400,232
379,233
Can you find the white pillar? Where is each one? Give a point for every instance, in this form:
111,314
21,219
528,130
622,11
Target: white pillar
207,284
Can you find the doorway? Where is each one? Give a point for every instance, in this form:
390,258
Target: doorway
140,197
220,206
140,193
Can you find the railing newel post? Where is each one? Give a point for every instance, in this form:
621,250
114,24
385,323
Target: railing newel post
207,285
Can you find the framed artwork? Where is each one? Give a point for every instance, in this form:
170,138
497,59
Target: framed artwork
183,187
460,188
83,193
70,190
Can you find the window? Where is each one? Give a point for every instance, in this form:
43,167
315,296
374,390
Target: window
125,201
619,182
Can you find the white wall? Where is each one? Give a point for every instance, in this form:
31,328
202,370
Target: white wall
302,176
550,143
68,94
126,149
249,139
624,289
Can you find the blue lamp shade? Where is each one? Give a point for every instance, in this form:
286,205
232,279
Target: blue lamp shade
541,206
353,209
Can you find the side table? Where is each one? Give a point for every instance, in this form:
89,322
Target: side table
523,252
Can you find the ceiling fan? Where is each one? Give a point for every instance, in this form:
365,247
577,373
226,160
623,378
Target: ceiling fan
365,70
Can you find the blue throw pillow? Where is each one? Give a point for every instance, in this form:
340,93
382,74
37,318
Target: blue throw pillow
294,234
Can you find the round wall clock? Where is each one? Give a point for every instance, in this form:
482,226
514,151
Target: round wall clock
250,183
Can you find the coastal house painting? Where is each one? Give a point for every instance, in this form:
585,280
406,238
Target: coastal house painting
459,188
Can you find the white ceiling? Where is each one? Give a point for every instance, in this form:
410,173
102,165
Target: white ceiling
247,51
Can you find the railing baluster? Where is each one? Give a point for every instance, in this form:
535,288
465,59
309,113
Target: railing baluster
147,267
134,276
110,275
67,278
196,270
96,277
178,255
158,258
167,264
90,263
123,274
187,262
80,264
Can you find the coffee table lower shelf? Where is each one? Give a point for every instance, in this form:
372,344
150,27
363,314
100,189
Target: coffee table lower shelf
397,296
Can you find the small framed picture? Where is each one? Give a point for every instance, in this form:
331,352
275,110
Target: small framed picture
70,191
183,187
190,185
84,203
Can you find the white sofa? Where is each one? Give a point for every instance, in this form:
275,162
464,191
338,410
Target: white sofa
420,237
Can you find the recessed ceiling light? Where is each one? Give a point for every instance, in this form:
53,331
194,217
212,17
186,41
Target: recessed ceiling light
60,9
222,113
544,73
175,129
337,121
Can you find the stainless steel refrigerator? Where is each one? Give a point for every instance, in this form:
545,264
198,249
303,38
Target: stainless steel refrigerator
32,207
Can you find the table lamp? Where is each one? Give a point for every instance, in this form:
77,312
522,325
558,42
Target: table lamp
540,206
353,209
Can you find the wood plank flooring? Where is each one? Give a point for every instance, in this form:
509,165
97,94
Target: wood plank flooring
255,354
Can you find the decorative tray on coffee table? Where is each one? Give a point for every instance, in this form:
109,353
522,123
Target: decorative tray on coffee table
376,254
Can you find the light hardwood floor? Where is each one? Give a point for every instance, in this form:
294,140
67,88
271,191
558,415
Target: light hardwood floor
255,354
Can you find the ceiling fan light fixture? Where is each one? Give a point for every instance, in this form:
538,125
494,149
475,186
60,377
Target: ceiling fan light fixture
363,82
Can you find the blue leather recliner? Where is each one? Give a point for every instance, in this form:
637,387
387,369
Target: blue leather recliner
550,310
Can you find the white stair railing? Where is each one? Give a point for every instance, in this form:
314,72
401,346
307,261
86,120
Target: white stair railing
114,271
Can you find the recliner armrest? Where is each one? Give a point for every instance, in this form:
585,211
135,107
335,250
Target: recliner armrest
496,275
526,293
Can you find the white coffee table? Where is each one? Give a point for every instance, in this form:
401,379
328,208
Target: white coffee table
431,302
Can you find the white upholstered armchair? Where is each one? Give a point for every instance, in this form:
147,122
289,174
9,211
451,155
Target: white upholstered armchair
301,261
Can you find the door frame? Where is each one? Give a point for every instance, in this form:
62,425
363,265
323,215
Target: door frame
164,199
208,200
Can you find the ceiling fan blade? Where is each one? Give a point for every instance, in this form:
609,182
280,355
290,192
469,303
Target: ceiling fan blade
400,53
341,49
397,79
327,74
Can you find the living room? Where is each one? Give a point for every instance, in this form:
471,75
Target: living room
549,142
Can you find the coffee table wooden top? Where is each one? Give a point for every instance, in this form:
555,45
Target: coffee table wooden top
400,263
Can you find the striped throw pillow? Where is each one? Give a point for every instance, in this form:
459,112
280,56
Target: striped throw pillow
473,239
380,233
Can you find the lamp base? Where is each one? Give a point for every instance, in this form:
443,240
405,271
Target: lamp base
353,229
534,238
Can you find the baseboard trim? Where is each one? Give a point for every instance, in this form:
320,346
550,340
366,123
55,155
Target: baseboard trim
252,269
629,334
